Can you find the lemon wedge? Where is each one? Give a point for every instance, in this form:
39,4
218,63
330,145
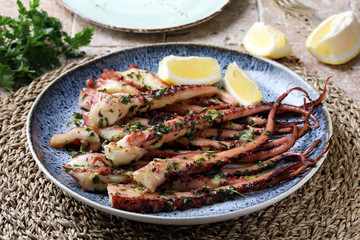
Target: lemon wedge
239,85
266,41
336,40
177,70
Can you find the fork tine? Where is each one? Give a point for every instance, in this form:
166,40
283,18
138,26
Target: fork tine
300,6
300,10
293,6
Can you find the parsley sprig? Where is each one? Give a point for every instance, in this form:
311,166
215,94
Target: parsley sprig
33,42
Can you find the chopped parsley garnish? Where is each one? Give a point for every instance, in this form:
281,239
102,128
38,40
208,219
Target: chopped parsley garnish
159,93
73,152
190,136
131,127
125,100
132,108
246,135
232,190
223,145
147,87
268,133
199,164
101,122
152,122
68,170
180,124
262,165
96,179
75,119
161,129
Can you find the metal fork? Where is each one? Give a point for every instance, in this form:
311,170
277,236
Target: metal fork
293,6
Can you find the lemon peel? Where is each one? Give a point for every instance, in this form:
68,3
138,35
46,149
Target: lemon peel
336,40
239,85
177,70
266,41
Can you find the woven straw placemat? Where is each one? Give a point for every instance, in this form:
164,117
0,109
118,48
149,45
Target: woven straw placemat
327,207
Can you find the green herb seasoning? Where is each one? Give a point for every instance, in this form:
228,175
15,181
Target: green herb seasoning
246,135
96,179
223,145
131,127
159,93
132,108
268,133
262,165
68,170
160,129
180,124
75,119
125,100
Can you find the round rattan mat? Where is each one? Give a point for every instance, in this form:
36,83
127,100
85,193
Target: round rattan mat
327,207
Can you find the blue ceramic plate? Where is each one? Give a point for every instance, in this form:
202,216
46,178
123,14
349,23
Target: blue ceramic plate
55,105
146,15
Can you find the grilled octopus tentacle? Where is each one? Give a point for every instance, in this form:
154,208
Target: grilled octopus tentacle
262,155
157,172
134,198
230,175
170,130
131,197
143,124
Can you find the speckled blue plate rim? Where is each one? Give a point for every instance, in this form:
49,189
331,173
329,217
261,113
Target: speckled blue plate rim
162,219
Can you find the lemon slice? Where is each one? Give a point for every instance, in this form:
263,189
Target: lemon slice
336,40
239,85
266,41
177,70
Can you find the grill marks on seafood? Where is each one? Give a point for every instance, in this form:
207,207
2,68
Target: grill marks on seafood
175,128
192,192
133,198
151,179
137,113
88,137
131,81
157,172
106,112
111,86
199,191
93,174
262,155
